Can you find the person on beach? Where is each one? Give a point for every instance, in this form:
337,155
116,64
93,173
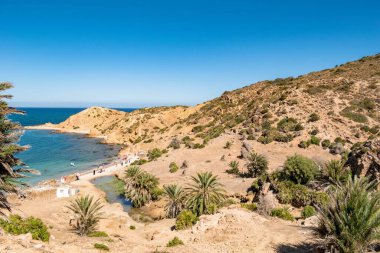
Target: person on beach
93,172
77,175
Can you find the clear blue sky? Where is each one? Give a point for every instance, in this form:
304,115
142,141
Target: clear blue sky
144,53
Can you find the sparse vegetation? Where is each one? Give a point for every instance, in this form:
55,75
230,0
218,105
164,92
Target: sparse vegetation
289,124
250,206
227,145
234,168
282,213
97,234
101,246
174,242
308,211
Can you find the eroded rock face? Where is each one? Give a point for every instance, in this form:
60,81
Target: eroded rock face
364,159
245,149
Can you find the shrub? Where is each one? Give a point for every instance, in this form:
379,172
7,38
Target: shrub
87,214
101,246
184,165
282,213
257,165
314,140
17,226
299,195
299,169
351,220
314,132
250,206
174,242
228,145
175,144
155,153
308,211
185,219
97,234
304,144
314,117
326,143
234,168
289,124
173,167
132,227
139,162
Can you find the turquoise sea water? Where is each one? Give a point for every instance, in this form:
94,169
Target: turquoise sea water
51,153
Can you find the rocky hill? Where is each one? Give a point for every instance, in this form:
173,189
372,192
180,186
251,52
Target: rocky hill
340,105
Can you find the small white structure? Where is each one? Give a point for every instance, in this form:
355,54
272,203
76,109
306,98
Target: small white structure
66,191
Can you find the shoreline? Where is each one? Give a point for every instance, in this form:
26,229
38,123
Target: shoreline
86,175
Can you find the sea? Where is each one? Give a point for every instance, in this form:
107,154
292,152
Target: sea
57,154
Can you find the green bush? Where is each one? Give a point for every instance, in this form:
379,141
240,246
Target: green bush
250,206
101,246
185,219
299,169
132,227
173,167
308,211
314,140
97,234
314,117
282,213
174,242
17,226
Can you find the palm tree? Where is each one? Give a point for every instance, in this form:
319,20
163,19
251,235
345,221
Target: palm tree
204,193
87,214
335,173
234,168
351,221
9,134
176,200
257,165
140,186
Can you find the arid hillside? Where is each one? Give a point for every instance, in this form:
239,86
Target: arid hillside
337,105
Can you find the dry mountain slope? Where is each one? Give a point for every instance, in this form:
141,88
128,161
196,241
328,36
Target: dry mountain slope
340,102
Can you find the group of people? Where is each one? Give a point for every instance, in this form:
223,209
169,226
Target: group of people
100,169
